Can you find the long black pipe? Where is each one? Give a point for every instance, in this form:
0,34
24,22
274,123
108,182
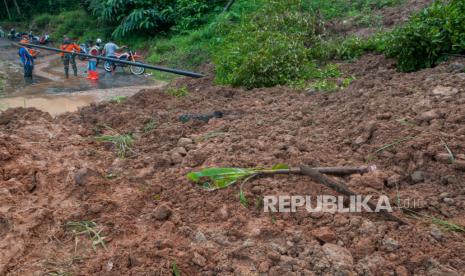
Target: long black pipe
148,66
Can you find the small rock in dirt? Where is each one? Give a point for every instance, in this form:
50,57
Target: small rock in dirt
390,244
443,158
459,165
339,257
162,212
199,260
441,270
445,90
324,234
374,180
183,142
274,256
195,158
181,150
428,116
384,116
393,181
371,265
80,177
436,233
367,227
443,195
258,189
264,267
456,67
448,200
176,158
224,212
364,246
199,237
402,271
417,176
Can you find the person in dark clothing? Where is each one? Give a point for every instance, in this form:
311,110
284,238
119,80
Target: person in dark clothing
71,47
26,60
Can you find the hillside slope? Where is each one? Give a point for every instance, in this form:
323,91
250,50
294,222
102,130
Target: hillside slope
54,172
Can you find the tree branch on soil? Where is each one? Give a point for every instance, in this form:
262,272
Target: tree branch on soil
219,178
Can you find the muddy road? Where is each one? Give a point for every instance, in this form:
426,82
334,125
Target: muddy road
51,92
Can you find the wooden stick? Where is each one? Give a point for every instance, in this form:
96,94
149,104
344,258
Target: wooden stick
341,188
324,170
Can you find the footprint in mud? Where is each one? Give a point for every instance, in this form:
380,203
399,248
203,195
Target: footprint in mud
4,227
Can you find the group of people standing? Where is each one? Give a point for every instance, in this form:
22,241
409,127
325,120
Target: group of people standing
70,47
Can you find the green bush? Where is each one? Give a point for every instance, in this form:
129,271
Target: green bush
77,24
348,48
269,47
262,59
41,21
429,36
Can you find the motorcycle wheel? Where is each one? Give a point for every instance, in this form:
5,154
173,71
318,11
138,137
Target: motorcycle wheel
108,66
136,70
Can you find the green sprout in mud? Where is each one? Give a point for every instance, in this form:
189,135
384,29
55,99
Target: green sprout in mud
178,92
175,270
122,142
118,99
88,228
219,178
149,126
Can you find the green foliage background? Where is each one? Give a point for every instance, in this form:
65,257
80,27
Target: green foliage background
429,36
258,43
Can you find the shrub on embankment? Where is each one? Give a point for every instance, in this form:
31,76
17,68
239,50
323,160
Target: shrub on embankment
269,47
429,36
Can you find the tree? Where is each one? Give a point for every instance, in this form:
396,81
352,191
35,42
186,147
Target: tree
7,9
17,7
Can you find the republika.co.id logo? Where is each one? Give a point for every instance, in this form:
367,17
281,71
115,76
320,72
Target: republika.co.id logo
327,203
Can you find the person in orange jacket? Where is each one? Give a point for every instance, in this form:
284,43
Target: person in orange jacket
71,47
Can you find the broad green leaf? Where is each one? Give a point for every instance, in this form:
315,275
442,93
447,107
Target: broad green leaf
219,178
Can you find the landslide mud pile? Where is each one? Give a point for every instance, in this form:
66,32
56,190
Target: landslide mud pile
54,172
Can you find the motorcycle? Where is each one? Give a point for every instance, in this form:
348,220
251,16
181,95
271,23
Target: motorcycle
43,40
85,48
127,56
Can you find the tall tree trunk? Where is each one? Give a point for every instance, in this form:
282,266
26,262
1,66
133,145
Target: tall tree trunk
17,7
7,9
228,5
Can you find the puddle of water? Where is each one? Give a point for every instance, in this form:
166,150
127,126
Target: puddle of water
54,105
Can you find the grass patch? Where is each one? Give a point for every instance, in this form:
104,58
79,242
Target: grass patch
149,126
393,144
122,142
178,92
118,99
90,229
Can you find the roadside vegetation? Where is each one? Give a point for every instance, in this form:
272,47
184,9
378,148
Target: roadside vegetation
258,43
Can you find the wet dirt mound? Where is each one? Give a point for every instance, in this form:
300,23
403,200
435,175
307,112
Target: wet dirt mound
55,178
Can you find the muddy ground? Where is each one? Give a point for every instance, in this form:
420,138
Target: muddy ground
53,172
51,92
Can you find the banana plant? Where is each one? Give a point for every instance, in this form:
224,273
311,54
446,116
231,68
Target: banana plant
219,178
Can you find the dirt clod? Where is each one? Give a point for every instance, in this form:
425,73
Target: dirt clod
162,212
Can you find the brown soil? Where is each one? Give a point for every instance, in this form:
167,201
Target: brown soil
53,171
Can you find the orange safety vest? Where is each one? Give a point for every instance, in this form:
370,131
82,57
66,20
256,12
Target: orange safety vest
72,47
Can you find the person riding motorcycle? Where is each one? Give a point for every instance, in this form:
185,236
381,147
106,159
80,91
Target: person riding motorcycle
109,50
71,47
